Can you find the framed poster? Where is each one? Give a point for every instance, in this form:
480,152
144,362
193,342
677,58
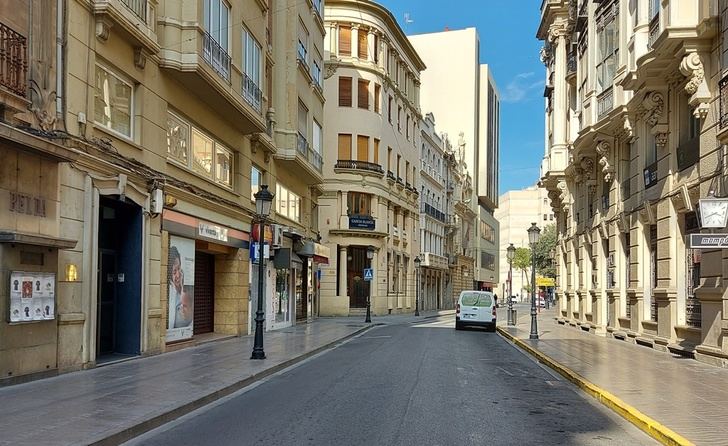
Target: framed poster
32,296
181,286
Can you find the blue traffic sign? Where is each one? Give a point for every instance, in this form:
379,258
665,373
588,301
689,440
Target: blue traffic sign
368,274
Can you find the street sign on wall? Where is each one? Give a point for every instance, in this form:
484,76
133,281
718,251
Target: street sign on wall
368,274
708,241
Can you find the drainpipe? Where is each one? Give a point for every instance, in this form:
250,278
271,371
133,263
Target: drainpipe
60,93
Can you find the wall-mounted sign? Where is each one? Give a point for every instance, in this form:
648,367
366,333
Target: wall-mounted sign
361,222
27,204
32,296
212,231
708,241
181,283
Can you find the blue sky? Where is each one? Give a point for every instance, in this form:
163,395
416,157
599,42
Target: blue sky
508,44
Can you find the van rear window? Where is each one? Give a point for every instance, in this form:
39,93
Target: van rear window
477,300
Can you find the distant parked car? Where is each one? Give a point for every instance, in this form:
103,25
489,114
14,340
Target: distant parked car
475,308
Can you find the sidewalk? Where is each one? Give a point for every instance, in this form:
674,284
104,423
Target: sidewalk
113,403
676,400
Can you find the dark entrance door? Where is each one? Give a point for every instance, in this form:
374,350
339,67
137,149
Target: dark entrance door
358,288
204,321
106,316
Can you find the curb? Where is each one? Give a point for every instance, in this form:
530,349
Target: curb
651,427
171,415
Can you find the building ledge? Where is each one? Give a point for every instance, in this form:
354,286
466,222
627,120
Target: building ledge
36,239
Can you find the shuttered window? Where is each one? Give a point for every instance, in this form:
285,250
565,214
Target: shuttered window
344,146
344,41
363,50
362,148
363,94
345,91
377,94
376,151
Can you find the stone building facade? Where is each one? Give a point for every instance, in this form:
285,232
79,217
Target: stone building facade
634,139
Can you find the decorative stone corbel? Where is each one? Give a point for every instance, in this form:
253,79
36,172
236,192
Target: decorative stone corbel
603,150
681,200
330,68
692,67
660,136
103,27
140,57
654,103
587,167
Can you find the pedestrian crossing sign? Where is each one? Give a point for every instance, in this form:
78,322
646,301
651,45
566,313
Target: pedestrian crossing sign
368,274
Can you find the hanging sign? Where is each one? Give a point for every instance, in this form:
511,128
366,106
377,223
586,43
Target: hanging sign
708,241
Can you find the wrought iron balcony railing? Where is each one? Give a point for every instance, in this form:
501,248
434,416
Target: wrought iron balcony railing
605,102
359,165
571,64
216,56
252,93
13,60
316,159
654,31
302,145
390,175
138,7
723,84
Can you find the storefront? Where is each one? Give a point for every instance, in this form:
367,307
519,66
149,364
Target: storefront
313,255
204,276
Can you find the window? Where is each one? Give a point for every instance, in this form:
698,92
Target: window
399,118
408,127
377,94
344,147
251,70
208,157
654,9
406,172
359,203
376,151
113,102
389,109
302,122
288,204
302,43
317,137
217,25
316,67
399,161
363,50
545,217
345,91
363,99
344,40
607,47
389,159
362,148
256,179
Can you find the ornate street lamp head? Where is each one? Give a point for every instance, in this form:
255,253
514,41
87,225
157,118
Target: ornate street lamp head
370,252
510,252
263,201
533,234
417,262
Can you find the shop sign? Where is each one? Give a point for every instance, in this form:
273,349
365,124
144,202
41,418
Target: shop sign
27,204
361,222
212,231
32,296
708,241
545,281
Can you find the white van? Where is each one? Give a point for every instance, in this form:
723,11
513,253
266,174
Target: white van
475,308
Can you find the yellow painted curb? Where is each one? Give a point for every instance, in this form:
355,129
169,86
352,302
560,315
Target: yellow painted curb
659,432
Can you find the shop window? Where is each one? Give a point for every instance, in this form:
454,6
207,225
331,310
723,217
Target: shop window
113,102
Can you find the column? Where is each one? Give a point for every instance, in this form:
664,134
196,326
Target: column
343,285
370,45
334,39
374,286
561,105
374,209
382,52
343,212
355,41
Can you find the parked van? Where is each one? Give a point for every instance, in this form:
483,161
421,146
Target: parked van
476,308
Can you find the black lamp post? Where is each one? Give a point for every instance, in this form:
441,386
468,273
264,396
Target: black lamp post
552,256
263,201
417,285
370,256
533,234
510,254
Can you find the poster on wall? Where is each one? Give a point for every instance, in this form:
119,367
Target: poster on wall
32,296
181,285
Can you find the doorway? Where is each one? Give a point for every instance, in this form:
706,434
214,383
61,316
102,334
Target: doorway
204,301
118,318
358,288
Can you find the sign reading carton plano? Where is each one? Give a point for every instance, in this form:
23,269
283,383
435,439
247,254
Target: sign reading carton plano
707,241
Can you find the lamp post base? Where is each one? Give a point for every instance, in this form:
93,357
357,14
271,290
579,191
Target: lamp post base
368,318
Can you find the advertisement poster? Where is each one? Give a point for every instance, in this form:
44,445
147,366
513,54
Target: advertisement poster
181,283
32,296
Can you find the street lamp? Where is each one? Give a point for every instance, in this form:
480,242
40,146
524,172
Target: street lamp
533,234
511,254
417,285
370,256
263,201
552,256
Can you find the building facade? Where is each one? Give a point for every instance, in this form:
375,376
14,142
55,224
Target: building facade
433,217
467,105
635,138
157,125
370,195
517,209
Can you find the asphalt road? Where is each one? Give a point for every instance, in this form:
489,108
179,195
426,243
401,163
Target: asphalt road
407,384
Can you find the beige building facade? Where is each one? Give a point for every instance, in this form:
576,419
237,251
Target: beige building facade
635,138
517,209
154,128
370,196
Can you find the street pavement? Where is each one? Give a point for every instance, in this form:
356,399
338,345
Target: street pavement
406,383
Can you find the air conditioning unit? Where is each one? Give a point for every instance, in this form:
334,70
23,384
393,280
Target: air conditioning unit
277,236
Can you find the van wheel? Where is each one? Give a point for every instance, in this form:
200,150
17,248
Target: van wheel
458,326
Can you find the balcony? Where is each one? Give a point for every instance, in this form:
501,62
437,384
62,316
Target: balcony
294,153
138,7
723,84
359,165
432,260
571,66
654,32
390,176
132,19
650,175
434,212
216,56
13,60
605,102
252,94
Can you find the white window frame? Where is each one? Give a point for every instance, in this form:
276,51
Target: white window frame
317,139
255,171
608,20
222,27
252,68
284,193
123,80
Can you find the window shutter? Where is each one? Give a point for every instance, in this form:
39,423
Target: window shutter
345,91
363,101
345,41
376,151
344,147
363,50
362,148
377,94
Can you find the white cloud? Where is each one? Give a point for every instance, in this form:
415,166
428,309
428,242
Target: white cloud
520,87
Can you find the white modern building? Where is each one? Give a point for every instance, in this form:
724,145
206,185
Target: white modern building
517,209
462,94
